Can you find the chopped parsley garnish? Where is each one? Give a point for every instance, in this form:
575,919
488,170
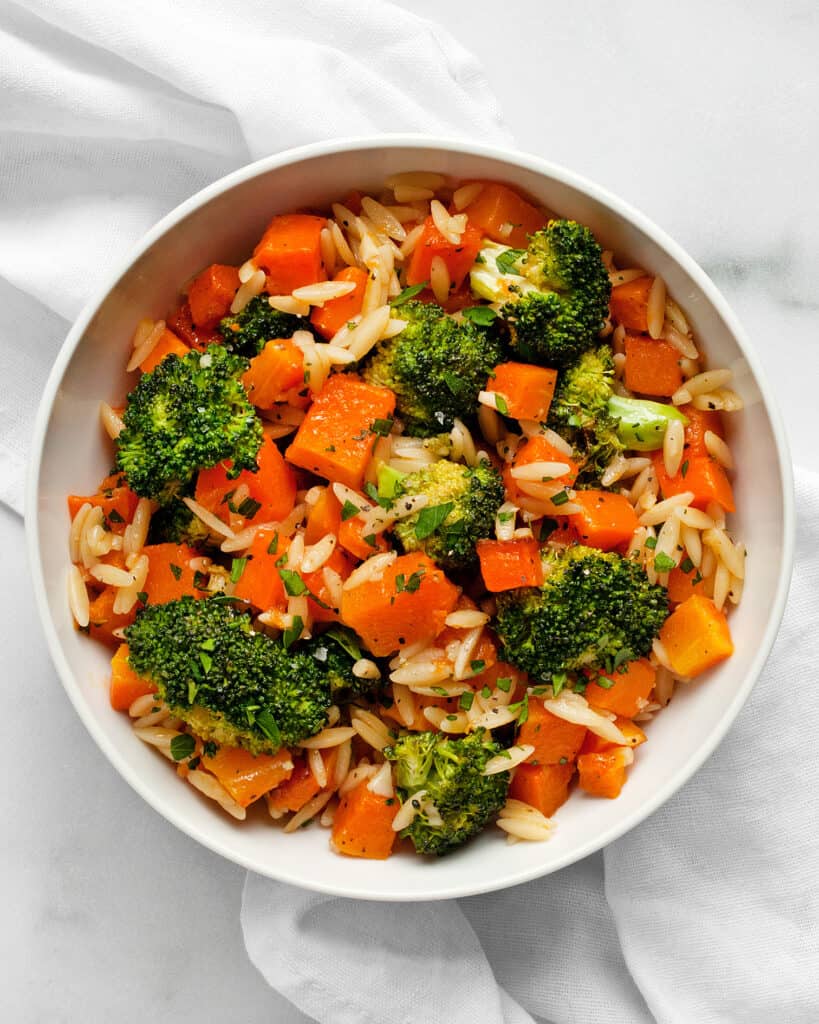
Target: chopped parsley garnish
686,565
507,260
501,404
346,639
465,700
182,746
176,570
478,665
560,498
504,683
408,293
684,469
273,546
558,682
293,632
142,597
651,543
430,518
237,567
381,427
115,517
348,510
663,562
293,583
482,316
267,724
409,585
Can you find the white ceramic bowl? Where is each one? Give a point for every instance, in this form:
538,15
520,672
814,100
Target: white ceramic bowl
70,454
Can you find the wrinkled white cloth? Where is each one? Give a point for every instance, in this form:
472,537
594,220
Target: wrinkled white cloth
706,913
113,114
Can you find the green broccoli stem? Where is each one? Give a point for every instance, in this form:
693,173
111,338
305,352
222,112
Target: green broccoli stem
642,424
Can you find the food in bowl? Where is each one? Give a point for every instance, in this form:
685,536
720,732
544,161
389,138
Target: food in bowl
416,516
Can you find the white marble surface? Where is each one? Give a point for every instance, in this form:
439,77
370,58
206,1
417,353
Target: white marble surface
707,122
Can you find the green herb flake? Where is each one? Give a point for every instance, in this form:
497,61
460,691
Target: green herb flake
440,691
478,665
293,583
182,746
273,546
560,498
501,404
237,567
414,582
481,316
651,543
201,580
465,700
348,510
408,293
686,565
559,680
176,570
370,539
115,517
430,518
209,748
605,682
663,562
293,632
684,469
142,597
486,692
504,683
381,427
506,260
505,517
249,508
266,723
524,711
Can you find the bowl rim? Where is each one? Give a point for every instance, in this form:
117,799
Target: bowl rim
537,165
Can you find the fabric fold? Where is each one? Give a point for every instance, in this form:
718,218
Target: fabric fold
111,119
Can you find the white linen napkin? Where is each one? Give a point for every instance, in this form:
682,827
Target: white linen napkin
706,913
112,115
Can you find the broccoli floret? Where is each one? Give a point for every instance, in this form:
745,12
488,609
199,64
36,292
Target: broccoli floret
229,683
461,511
248,332
436,366
175,523
336,651
580,412
555,292
450,771
594,605
186,415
